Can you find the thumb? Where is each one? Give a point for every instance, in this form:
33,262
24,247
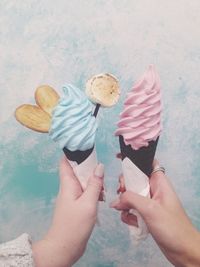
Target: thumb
95,184
69,184
131,200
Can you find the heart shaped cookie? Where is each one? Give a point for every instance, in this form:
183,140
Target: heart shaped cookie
33,117
46,98
38,117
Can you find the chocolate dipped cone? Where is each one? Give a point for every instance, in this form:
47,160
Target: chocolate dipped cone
142,158
78,155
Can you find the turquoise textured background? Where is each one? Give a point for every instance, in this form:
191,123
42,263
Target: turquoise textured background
48,42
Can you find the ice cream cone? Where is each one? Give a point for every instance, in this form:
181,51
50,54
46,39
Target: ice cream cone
74,128
139,129
137,167
74,123
142,158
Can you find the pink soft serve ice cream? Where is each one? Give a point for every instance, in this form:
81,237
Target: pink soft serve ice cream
140,121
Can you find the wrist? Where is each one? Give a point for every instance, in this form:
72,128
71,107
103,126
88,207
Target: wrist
190,256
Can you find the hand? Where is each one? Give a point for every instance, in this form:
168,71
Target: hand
73,221
166,220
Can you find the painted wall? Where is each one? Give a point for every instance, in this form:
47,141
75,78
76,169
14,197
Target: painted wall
56,42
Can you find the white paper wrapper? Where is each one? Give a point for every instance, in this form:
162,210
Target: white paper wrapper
84,170
137,182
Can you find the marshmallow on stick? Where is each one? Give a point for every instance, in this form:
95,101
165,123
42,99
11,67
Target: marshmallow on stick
103,89
139,129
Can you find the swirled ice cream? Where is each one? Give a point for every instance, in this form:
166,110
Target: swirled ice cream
73,126
140,121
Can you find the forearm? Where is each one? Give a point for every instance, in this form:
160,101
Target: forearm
58,248
194,257
47,253
191,256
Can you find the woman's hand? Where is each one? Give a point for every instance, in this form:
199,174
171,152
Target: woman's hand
74,218
166,220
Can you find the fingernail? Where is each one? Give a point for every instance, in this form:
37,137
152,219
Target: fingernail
102,196
99,171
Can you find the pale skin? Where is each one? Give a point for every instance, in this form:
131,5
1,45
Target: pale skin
73,221
76,212
166,220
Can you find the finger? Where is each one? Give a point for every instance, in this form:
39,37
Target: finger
159,183
102,195
95,185
69,184
65,168
130,200
115,204
119,156
155,163
163,191
129,218
121,187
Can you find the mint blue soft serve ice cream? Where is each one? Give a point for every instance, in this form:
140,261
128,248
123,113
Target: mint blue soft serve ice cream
73,125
